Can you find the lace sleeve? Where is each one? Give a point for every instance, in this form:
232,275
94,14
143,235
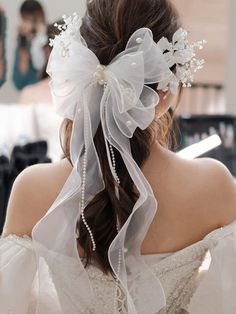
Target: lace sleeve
215,293
17,273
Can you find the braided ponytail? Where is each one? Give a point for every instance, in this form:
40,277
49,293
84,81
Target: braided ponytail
107,26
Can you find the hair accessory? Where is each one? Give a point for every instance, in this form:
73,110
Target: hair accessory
181,54
100,74
117,96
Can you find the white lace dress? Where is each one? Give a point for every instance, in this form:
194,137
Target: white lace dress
200,279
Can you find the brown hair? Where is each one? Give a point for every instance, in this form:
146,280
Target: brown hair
32,8
52,31
107,26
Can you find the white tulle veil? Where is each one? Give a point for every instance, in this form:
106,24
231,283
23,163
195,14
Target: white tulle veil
117,96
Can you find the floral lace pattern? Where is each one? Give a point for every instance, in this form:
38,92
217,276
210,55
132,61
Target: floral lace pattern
177,272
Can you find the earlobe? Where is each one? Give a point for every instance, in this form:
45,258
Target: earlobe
164,104
166,94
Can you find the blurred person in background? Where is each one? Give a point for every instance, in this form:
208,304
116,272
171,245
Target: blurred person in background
29,56
39,93
2,47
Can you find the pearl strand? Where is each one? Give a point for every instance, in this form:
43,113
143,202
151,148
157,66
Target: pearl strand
83,198
114,167
117,224
117,280
118,271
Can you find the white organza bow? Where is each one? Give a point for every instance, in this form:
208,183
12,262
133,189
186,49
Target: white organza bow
115,96
73,68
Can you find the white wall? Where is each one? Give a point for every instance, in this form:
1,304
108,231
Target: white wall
54,10
231,73
208,19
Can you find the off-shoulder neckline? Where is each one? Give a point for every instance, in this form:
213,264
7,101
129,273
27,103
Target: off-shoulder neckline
221,231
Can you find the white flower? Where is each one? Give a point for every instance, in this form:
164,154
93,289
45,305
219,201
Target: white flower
182,54
70,29
171,84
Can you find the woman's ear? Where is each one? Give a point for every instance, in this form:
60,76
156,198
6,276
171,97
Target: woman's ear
164,104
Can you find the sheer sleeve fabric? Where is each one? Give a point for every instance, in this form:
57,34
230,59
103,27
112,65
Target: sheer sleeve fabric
216,290
17,274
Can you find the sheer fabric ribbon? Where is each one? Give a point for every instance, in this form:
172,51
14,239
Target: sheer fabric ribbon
116,96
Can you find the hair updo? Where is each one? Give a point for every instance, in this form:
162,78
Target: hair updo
106,28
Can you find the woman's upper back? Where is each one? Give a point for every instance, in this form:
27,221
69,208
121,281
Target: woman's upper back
194,198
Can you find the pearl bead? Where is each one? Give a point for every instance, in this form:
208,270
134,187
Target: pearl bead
100,67
101,82
134,64
139,40
99,75
129,123
96,75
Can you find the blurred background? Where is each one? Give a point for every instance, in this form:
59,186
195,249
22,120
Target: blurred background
29,127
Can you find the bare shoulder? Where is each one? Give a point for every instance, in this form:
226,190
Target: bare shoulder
196,194
216,187
33,192
194,198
